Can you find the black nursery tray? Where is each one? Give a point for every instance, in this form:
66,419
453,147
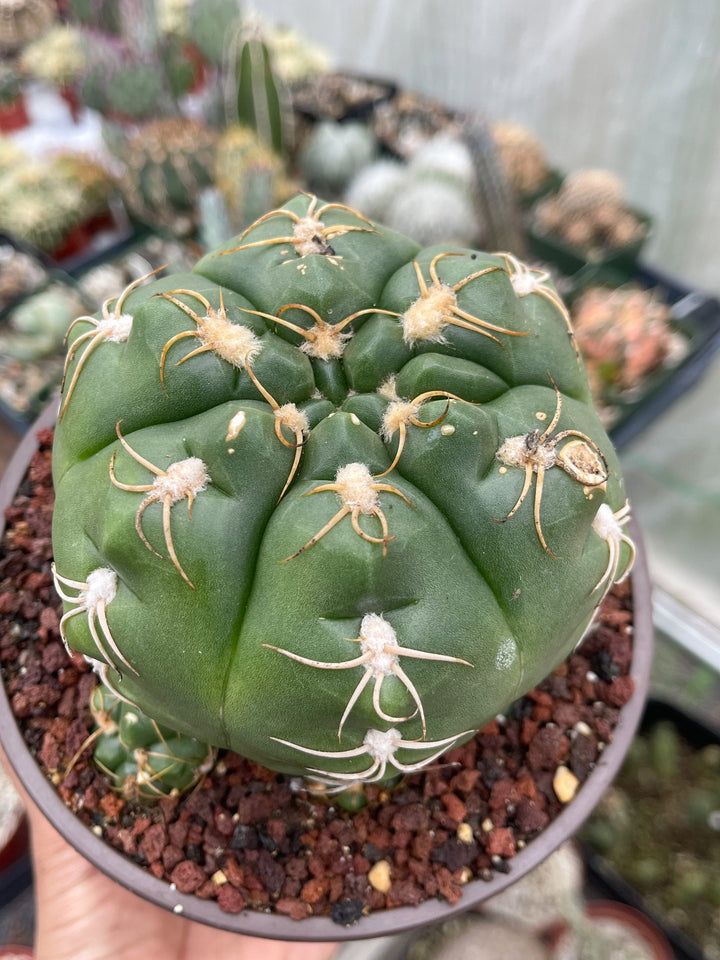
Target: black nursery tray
604,879
696,316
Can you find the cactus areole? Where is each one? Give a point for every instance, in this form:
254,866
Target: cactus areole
330,500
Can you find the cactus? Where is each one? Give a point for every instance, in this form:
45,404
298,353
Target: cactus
589,212
430,198
334,153
10,84
261,98
522,155
22,21
168,161
37,327
330,500
250,176
143,760
57,57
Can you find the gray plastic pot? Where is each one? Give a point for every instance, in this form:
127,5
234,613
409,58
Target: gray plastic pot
380,923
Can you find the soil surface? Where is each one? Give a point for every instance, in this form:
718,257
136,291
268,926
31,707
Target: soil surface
248,837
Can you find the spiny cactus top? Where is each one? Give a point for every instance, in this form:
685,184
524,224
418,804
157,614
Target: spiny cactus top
331,500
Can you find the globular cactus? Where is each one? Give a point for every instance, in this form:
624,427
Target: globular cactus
522,155
330,500
250,176
589,211
22,21
168,161
334,153
143,760
58,57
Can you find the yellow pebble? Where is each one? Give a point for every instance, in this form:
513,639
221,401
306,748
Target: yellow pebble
487,825
466,875
465,833
565,784
219,878
379,876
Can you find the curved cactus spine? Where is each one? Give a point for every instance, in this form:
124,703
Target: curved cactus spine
353,428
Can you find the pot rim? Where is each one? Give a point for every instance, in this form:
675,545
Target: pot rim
381,923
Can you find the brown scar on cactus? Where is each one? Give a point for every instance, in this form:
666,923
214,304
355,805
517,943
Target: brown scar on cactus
93,597
359,493
609,526
113,327
402,413
310,234
380,658
437,307
525,280
324,341
230,341
537,452
184,479
380,746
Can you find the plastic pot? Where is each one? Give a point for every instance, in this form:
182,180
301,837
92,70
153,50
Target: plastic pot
379,923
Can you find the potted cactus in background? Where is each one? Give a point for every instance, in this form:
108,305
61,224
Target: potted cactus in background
58,58
331,502
13,115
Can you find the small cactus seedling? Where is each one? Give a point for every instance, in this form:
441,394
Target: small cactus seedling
355,423
143,760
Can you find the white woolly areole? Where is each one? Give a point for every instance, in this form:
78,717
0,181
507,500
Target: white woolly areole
427,317
524,283
355,487
101,587
115,329
606,524
382,744
325,342
514,451
398,412
307,236
182,479
378,638
292,418
233,342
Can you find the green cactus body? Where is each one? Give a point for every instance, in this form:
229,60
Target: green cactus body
351,497
259,103
143,759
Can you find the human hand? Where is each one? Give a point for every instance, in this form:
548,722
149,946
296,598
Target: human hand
83,915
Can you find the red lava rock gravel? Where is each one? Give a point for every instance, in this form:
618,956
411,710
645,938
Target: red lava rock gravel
248,837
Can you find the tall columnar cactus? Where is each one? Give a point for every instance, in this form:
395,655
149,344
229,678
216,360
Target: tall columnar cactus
331,500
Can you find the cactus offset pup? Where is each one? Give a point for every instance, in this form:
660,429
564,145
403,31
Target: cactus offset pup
291,485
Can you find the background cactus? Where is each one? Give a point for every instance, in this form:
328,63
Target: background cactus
331,500
168,161
589,211
57,57
22,21
143,759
